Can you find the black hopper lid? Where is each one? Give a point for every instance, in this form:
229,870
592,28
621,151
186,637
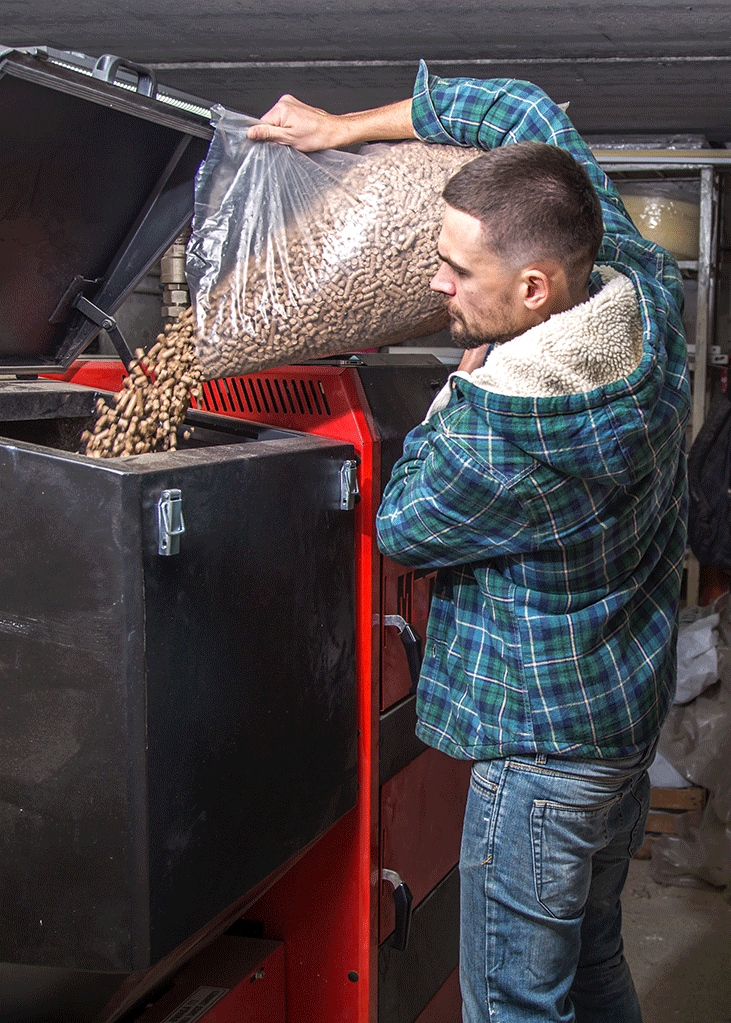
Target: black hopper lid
97,173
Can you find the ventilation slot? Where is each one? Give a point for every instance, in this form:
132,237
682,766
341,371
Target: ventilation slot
266,395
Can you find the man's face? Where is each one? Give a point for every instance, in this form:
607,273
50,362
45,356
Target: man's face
482,293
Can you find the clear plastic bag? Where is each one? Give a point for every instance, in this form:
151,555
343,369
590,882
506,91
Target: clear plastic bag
297,256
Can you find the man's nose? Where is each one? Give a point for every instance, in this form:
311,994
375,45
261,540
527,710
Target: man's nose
441,281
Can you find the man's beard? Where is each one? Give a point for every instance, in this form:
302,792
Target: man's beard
468,339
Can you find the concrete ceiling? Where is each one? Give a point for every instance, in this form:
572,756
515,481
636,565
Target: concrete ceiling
641,66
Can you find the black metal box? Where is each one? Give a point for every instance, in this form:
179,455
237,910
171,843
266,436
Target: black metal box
173,727
178,707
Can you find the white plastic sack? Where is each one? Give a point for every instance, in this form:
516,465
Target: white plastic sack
663,774
696,741
697,655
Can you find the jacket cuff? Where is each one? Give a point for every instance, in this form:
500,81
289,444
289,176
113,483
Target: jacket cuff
423,113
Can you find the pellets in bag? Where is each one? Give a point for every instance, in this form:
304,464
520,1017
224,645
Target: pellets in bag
297,256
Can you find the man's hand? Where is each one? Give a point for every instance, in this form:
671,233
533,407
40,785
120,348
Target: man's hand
473,359
296,124
309,129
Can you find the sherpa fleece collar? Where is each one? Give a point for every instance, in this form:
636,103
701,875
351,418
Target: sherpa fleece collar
590,345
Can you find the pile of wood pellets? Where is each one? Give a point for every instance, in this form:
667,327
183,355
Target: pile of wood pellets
357,276
146,415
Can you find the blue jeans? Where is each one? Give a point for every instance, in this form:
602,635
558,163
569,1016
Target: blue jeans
546,847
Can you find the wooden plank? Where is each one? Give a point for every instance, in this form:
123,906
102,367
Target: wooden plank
663,823
693,798
668,806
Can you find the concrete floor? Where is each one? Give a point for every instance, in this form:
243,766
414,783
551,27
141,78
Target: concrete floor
678,945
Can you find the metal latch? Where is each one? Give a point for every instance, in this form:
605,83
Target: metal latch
349,493
170,522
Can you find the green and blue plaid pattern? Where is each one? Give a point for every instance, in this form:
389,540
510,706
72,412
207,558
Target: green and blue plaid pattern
557,524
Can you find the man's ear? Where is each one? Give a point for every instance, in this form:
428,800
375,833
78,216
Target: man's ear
535,288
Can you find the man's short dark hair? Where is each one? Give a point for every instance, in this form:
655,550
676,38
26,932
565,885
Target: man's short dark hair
533,200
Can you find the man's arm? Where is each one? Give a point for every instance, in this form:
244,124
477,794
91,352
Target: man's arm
310,129
469,112
443,505
488,113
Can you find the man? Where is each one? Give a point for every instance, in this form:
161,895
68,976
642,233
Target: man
547,485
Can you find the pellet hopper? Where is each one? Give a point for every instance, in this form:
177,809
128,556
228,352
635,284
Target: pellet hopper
208,670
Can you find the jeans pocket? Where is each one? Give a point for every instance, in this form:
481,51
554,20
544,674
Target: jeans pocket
481,780
564,839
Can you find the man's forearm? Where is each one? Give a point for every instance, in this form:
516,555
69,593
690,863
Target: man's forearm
391,122
308,129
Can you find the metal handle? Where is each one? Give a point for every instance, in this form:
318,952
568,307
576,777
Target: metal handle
403,900
349,493
107,66
170,523
412,645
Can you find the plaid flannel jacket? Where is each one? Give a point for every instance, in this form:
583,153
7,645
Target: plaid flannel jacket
557,524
